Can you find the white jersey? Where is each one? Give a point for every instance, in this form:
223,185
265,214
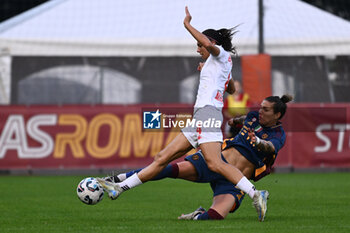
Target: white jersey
213,80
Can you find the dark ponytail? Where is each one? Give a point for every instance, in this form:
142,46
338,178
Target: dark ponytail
280,103
227,35
222,37
286,98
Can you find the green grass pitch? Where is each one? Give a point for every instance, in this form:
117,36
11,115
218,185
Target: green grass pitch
314,202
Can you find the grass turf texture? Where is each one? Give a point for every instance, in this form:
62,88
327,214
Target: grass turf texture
298,203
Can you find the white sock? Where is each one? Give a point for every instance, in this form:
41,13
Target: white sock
130,182
246,186
122,176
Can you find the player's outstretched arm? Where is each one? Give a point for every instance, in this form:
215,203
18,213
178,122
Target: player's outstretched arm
262,145
237,120
201,38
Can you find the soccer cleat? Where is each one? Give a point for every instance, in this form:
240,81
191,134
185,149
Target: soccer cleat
113,189
191,216
112,179
260,203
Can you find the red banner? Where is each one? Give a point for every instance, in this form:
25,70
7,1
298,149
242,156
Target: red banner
318,135
107,136
78,137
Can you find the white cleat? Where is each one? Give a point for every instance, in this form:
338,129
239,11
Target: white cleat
112,179
113,189
260,203
193,215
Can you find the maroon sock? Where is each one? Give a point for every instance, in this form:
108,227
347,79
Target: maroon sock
174,170
214,215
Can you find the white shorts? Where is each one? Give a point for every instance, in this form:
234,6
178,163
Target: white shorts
209,130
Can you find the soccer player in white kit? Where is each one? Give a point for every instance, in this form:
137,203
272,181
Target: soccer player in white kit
214,46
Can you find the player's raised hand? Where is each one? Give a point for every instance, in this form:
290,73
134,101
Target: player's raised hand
188,16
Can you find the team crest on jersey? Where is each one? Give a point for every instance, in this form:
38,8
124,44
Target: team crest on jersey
254,119
264,136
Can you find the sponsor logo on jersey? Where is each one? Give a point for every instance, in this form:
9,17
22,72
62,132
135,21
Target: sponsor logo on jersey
219,96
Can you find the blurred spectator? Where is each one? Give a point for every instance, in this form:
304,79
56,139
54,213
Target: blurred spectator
235,105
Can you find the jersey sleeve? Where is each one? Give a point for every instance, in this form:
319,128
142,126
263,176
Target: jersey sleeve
278,141
251,115
222,57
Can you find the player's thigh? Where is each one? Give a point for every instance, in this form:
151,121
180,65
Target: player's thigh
223,203
178,147
187,171
212,153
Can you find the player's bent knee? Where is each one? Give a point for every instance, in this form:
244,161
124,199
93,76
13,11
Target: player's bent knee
213,166
161,158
